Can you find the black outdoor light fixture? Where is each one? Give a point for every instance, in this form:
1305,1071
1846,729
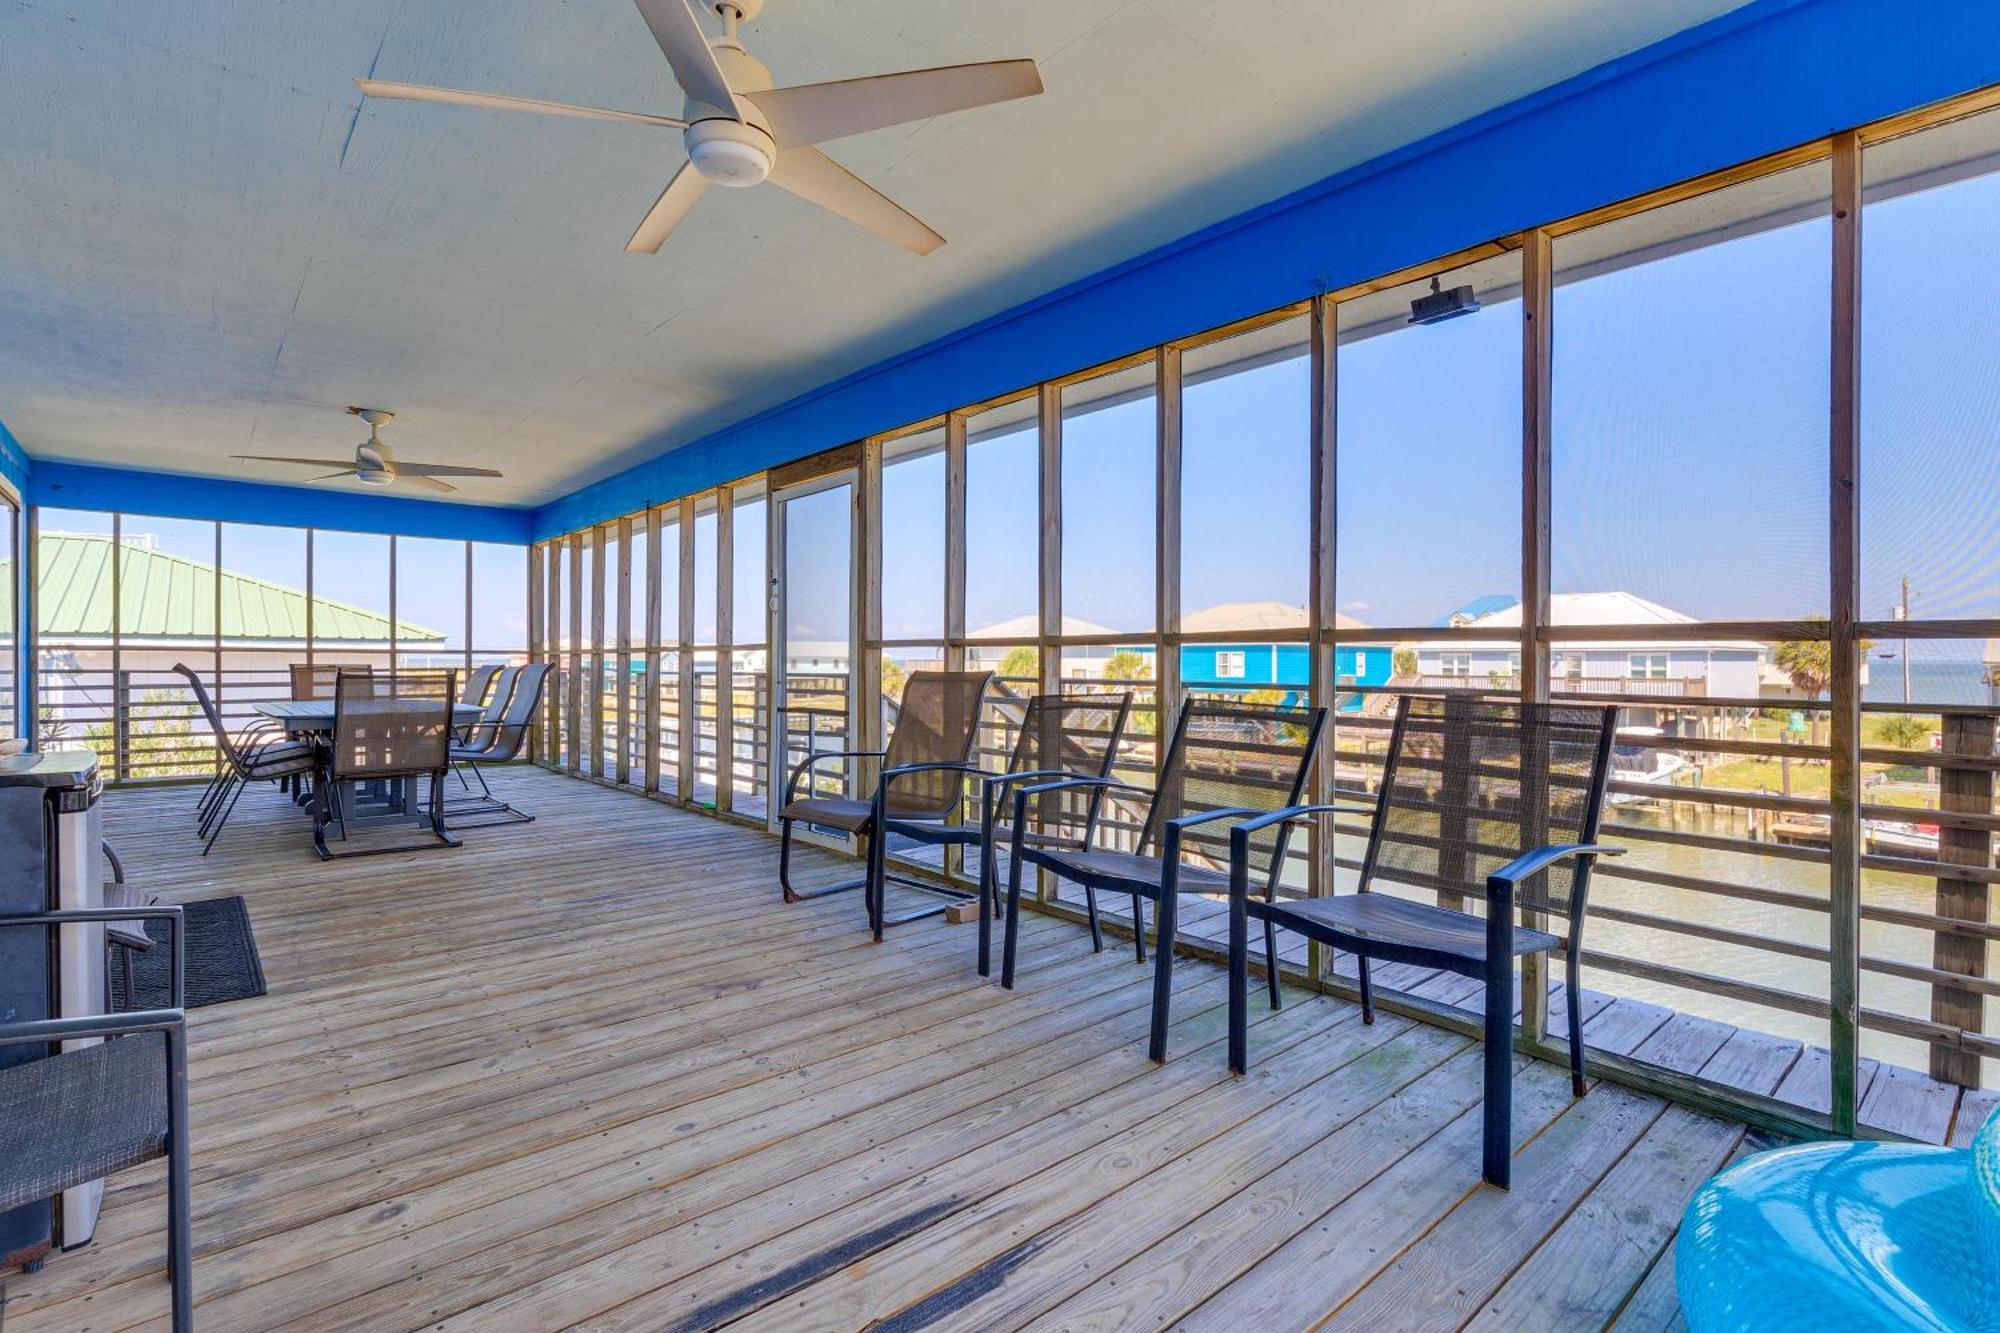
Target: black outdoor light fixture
1437,305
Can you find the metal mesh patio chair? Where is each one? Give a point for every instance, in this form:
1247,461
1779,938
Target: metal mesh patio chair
1229,759
92,1111
477,682
497,738
315,680
924,772
388,734
1059,736
256,757
1480,801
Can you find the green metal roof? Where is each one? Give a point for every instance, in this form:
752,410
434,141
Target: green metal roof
171,597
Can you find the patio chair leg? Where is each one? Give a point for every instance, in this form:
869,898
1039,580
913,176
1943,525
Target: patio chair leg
878,887
1271,962
1498,1114
1239,982
1090,906
1013,924
1573,996
320,815
988,892
1138,928
796,895
1367,994
1163,975
180,1211
227,810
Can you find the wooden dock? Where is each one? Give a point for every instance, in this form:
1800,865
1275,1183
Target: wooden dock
591,1072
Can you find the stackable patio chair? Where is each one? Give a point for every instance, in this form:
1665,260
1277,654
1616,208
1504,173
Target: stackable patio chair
1482,802
497,738
258,756
389,735
924,772
477,682
1229,759
1061,736
315,680
92,1111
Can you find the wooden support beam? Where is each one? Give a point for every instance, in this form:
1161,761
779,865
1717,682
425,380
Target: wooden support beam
866,711
537,638
1321,604
684,756
1970,790
573,718
1844,550
954,541
650,712
595,714
1167,688
725,639
1049,564
1537,395
623,768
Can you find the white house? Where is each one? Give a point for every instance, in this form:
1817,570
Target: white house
1665,668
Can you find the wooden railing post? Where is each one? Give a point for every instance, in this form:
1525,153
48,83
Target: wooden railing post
1966,790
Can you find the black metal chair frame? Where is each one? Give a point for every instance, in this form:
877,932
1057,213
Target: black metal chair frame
1165,894
504,743
993,789
266,760
876,875
171,1022
327,780
1495,967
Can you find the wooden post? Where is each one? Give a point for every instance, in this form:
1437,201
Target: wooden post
1843,476
684,758
1322,607
552,638
867,708
1537,391
118,737
725,638
651,704
1167,546
954,579
596,713
1048,643
573,722
537,637
1967,790
623,770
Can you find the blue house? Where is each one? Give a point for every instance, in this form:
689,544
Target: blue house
1257,664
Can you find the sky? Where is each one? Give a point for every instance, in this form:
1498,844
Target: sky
1689,462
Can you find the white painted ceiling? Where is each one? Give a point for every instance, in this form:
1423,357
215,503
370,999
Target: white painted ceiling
209,246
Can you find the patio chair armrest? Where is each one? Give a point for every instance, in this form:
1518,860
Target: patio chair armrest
1239,836
1504,879
170,913
805,765
904,770
91,1025
1067,784
993,786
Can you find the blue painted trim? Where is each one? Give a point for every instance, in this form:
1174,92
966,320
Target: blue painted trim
1762,78
178,495
14,465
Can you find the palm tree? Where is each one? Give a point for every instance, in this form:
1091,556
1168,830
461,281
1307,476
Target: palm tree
1809,665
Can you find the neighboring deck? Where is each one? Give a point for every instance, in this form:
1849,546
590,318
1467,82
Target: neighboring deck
592,1071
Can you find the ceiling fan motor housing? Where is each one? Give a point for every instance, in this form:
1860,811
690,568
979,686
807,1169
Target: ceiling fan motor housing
728,152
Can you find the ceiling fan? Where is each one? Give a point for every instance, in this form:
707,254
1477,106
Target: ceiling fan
741,131
375,463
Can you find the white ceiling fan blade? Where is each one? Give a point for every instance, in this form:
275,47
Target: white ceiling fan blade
673,204
418,92
427,483
812,175
442,470
816,112
686,47
347,463
344,472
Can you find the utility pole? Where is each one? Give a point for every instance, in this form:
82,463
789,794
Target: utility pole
1903,613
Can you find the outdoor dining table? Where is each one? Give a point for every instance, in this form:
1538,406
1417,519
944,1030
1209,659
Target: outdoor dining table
388,801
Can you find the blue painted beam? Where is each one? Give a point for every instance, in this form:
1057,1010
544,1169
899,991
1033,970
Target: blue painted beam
1768,76
13,461
177,495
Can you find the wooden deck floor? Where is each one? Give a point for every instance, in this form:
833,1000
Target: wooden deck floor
591,1072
